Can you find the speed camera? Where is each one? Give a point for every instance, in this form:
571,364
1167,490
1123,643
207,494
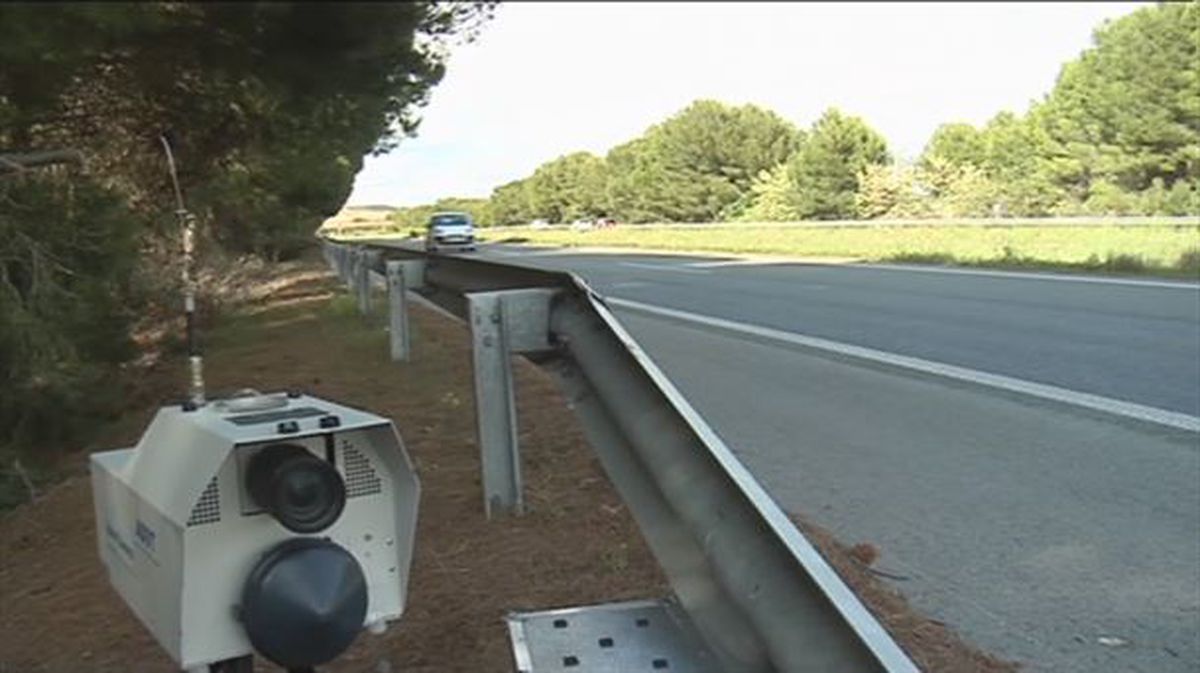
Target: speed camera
280,524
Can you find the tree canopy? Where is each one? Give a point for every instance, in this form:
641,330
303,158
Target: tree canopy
697,164
270,108
771,197
510,203
568,187
826,169
956,143
1127,112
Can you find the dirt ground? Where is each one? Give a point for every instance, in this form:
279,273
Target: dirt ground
576,545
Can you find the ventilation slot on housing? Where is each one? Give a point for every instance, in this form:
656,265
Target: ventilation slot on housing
361,478
208,507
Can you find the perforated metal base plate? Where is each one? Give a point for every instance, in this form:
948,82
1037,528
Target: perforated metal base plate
652,636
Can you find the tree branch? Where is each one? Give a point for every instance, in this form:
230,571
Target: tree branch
17,163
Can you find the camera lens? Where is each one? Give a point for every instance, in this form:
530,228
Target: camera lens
304,493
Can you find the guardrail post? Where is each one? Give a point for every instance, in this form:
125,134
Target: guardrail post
345,265
502,323
495,408
397,312
362,280
332,254
402,276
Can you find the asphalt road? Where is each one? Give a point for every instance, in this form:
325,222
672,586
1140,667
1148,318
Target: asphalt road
1062,537
1138,343
1035,532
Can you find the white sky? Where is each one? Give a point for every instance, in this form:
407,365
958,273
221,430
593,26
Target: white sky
546,79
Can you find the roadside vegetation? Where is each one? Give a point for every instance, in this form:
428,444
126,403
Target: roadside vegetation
270,108
1118,135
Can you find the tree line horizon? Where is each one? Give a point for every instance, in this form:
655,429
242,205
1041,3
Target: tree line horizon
1118,134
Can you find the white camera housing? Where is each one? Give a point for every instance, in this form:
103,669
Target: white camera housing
179,532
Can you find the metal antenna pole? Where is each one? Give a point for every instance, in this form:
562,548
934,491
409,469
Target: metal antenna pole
187,222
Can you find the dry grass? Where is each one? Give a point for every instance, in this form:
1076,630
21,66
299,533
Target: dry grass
576,545
932,645
352,219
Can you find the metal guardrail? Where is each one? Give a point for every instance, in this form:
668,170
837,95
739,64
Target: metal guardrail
756,590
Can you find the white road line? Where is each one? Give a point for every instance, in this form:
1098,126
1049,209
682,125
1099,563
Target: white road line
1095,402
733,262
661,267
1181,285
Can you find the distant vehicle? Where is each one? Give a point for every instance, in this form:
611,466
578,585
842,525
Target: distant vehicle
450,231
605,223
581,225
539,224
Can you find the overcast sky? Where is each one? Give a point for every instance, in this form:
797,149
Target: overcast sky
546,79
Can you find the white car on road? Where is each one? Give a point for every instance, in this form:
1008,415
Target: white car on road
450,231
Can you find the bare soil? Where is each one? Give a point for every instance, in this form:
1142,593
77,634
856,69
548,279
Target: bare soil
576,545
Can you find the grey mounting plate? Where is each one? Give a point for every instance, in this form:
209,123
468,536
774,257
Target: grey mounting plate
628,637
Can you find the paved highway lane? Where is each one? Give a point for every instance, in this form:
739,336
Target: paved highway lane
1134,341
1035,532
1047,533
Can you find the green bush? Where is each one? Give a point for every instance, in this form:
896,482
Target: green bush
1124,263
67,299
1189,261
1106,198
1181,199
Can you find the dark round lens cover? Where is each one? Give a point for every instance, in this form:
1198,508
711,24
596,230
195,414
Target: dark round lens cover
303,492
304,602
